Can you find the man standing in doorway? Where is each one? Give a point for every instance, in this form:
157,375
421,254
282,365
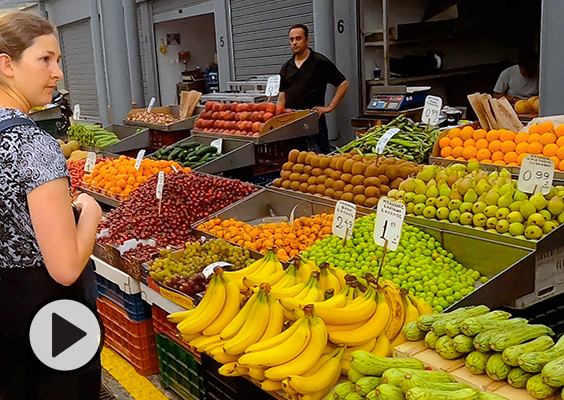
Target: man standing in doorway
304,83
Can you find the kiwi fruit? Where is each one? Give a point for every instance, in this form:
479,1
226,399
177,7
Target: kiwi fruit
372,181
330,192
324,162
302,156
314,161
328,171
348,189
383,179
372,191
299,168
339,165
321,179
336,175
384,190
347,197
316,171
371,170
371,202
357,157
284,175
404,172
312,189
288,166
337,195
307,160
293,155
333,162
395,183
359,199
348,155
358,168
321,189
346,178
295,185
359,189
303,187
303,178
286,184
277,182
312,180
308,169
347,166
329,182
392,172
294,176
357,180
339,186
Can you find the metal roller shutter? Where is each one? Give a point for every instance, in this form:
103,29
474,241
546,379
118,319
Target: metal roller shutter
142,50
78,67
163,6
260,33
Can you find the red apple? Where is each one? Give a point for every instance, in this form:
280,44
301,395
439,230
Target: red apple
254,116
209,105
232,115
262,107
245,107
234,106
256,134
267,116
237,116
256,126
248,125
270,107
215,106
241,125
215,115
245,115
279,110
261,116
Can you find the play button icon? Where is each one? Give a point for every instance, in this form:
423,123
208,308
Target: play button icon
65,335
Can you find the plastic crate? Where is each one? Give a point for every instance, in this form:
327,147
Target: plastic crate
137,310
162,325
135,341
160,138
269,157
219,387
180,370
263,180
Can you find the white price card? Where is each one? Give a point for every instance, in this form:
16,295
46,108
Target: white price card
209,269
389,221
390,133
151,104
536,175
139,158
76,112
343,219
90,162
160,185
273,86
432,109
218,144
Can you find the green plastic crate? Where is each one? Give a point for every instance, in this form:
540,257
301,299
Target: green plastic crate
179,370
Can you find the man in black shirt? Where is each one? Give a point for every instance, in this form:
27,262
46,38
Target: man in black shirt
304,83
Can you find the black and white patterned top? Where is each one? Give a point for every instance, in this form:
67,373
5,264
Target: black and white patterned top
29,157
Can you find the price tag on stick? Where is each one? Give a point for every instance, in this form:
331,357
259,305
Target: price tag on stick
159,191
76,112
343,220
218,144
390,133
431,111
536,175
151,104
389,221
140,156
273,86
90,162
209,269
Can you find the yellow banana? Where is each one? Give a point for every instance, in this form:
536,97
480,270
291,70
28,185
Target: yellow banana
270,386
312,294
328,280
270,267
352,293
345,361
275,321
337,301
219,355
288,315
291,291
340,274
411,311
208,341
397,313
422,306
271,280
290,393
188,338
230,310
236,323
306,267
194,325
358,310
382,346
265,344
319,363
239,275
322,380
257,373
182,315
229,369
282,352
212,346
346,327
307,358
291,278
253,328
242,370
329,348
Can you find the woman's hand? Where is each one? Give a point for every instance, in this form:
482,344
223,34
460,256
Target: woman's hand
87,202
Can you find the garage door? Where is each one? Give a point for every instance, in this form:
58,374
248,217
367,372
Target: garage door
260,33
78,67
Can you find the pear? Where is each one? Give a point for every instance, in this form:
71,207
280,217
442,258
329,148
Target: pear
444,190
409,185
400,194
546,214
520,196
443,213
561,218
555,206
433,192
479,220
505,174
472,166
502,213
553,192
527,209
505,200
409,197
420,199
465,207
515,206
442,175
454,216
491,223
538,201
428,173
464,185
455,195
507,188
502,226
458,167
420,187
499,182
515,216
490,211
479,207
418,209
442,201
491,198
432,182
471,196
536,219
402,185
466,218
482,187
409,208
431,201
452,178
455,205
516,229
533,232
493,176
549,226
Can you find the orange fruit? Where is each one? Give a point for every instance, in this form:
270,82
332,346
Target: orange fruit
506,135
510,157
535,137
482,143
495,146
534,129
454,133
499,162
449,157
560,153
561,166
522,148
547,138
493,135
560,141
487,161
461,159
559,131
457,151
521,157
446,151
469,152
550,149
498,155
546,127
507,146
521,137
513,164
556,161
466,133
535,148
456,142
483,154
444,142
479,134
469,143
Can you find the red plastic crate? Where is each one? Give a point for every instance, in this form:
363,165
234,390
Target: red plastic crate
162,325
160,139
135,341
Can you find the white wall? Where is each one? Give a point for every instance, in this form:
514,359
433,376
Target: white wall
197,35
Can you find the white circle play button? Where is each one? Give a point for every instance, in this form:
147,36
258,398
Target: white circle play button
65,335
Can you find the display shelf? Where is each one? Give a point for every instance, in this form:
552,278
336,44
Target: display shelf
109,201
154,298
126,283
185,124
392,42
444,74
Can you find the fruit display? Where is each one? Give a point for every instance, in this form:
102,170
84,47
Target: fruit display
243,119
504,147
187,154
186,199
175,269
529,106
420,264
350,176
71,150
414,142
76,171
504,348
153,118
486,201
290,239
92,136
118,177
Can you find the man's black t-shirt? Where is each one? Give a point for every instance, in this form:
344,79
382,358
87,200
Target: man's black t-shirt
305,87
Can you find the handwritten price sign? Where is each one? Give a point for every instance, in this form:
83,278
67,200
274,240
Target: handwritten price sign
389,221
343,221
537,173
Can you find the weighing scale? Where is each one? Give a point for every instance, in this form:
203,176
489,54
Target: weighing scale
390,100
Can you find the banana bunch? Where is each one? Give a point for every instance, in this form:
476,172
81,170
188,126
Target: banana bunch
311,292
261,271
331,278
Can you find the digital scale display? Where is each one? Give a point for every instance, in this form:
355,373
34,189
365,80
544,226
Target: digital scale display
396,102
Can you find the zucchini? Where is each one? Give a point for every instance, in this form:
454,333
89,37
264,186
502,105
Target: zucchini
505,339
518,378
414,381
454,326
426,321
463,344
412,332
537,388
476,362
511,354
439,327
370,364
386,392
394,376
367,384
474,325
553,372
354,396
445,348
431,339
354,376
496,368
431,394
534,361
342,390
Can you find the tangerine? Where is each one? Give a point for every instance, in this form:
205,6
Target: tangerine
550,149
482,144
466,133
469,152
535,148
495,146
547,138
454,133
457,151
506,135
469,143
483,154
521,137
510,157
479,134
493,135
507,146
498,155
446,151
534,137
444,142
522,148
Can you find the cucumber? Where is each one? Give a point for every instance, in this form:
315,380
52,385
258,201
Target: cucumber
189,145
205,150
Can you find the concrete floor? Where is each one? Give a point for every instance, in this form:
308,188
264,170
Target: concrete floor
120,393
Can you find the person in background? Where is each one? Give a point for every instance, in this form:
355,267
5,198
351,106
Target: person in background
303,84
44,252
521,81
